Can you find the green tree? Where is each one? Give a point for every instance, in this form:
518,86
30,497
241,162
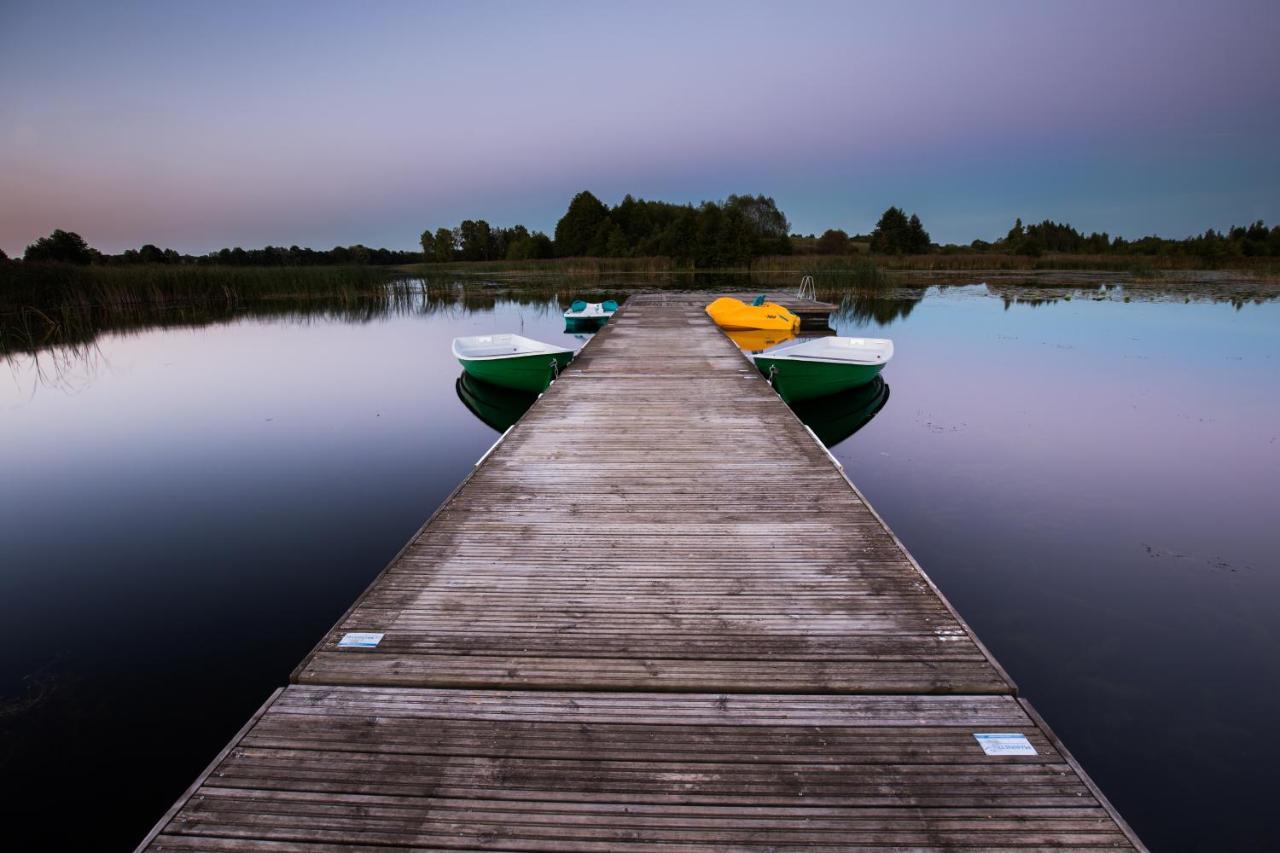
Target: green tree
1026,245
445,244
151,254
428,242
833,241
1255,240
578,228
767,225
475,240
518,250
1016,233
3,256
740,239
616,243
540,246
61,246
679,239
599,245
505,238
893,233
918,242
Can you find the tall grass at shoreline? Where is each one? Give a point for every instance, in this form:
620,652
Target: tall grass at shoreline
52,318
43,305
39,302
28,284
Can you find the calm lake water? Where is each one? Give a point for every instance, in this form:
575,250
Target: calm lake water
1094,483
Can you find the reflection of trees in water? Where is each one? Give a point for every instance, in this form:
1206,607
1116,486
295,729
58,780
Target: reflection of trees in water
64,335
878,307
72,328
57,348
1022,293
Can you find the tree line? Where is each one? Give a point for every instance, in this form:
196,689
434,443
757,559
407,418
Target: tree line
68,247
728,233
1254,240
897,234
712,234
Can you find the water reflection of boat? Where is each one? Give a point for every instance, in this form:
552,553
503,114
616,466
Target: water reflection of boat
837,416
497,406
755,340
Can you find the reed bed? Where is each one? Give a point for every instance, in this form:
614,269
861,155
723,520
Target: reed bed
59,302
50,285
49,306
76,321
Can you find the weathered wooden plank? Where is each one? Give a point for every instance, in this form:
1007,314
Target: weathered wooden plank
515,770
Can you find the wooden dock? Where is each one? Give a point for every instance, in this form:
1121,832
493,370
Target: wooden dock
657,615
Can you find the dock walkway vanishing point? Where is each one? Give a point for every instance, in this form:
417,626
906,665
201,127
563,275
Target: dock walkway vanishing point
657,615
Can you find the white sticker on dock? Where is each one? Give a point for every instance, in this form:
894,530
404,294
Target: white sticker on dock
360,641
1005,744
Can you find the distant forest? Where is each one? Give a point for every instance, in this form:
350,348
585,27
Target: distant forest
732,232
69,247
711,235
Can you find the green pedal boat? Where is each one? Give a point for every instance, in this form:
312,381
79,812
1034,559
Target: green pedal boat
512,361
588,316
800,370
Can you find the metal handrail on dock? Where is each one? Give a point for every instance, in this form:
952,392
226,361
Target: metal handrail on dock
808,290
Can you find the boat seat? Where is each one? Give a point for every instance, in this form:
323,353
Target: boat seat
497,349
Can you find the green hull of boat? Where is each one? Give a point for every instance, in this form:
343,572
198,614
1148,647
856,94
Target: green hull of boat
524,373
803,380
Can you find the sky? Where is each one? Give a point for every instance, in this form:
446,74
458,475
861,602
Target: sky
201,125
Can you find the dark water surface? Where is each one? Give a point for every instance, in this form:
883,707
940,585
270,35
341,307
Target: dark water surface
1095,485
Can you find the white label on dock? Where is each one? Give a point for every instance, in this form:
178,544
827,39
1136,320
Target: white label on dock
1005,744
360,641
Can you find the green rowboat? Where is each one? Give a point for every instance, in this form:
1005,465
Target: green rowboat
512,361
800,370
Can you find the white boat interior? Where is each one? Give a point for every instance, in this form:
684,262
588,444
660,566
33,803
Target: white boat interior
593,310
835,349
501,346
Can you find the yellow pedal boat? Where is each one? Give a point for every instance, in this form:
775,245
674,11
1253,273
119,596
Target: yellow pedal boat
733,314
